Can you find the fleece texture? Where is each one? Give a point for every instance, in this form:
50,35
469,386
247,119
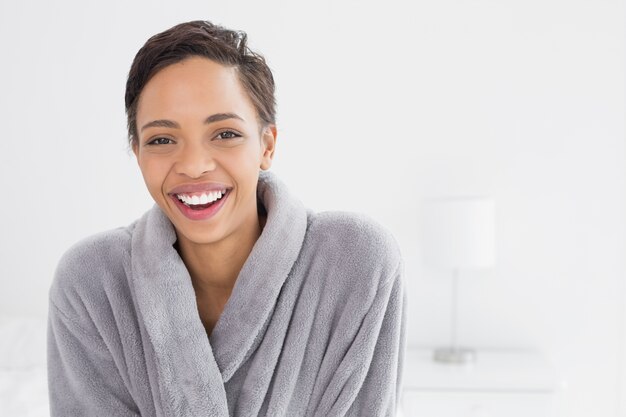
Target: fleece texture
314,326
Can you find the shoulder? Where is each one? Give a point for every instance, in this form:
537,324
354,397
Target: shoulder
96,250
88,266
358,232
359,241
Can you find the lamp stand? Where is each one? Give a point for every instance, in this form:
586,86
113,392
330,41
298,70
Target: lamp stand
454,354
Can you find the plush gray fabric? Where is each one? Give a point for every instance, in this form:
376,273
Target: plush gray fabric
315,325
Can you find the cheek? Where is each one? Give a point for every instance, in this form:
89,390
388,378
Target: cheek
249,157
153,172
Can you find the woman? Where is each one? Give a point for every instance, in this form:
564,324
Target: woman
228,297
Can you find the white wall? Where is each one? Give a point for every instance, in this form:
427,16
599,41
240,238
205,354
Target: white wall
380,104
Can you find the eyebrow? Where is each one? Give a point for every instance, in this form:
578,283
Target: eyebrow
211,119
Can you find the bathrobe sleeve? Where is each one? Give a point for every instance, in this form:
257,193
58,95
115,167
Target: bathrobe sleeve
83,378
368,380
381,390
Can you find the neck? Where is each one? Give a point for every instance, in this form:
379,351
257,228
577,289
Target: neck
214,267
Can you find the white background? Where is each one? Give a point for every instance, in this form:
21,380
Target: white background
380,104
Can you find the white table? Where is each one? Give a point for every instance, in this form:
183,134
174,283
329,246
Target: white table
501,383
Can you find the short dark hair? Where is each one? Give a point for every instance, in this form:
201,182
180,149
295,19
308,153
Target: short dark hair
205,39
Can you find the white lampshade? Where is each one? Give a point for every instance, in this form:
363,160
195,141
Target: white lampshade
459,232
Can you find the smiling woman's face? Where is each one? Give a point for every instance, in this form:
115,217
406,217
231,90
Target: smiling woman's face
180,141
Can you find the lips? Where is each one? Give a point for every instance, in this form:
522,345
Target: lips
200,214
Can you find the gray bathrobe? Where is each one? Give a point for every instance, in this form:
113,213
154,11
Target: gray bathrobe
315,324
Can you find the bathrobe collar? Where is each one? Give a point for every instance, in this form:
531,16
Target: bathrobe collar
187,361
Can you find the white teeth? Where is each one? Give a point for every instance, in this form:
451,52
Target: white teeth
204,198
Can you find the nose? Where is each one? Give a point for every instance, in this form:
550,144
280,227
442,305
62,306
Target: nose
193,160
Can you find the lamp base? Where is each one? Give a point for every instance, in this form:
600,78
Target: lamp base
455,355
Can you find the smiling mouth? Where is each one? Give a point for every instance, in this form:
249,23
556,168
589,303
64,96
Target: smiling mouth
201,201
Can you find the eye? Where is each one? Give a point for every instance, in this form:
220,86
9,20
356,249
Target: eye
152,142
228,134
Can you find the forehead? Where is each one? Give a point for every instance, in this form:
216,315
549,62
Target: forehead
195,84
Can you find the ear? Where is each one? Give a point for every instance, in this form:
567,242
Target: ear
268,146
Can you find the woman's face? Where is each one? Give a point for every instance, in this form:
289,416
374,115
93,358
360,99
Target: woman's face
182,147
